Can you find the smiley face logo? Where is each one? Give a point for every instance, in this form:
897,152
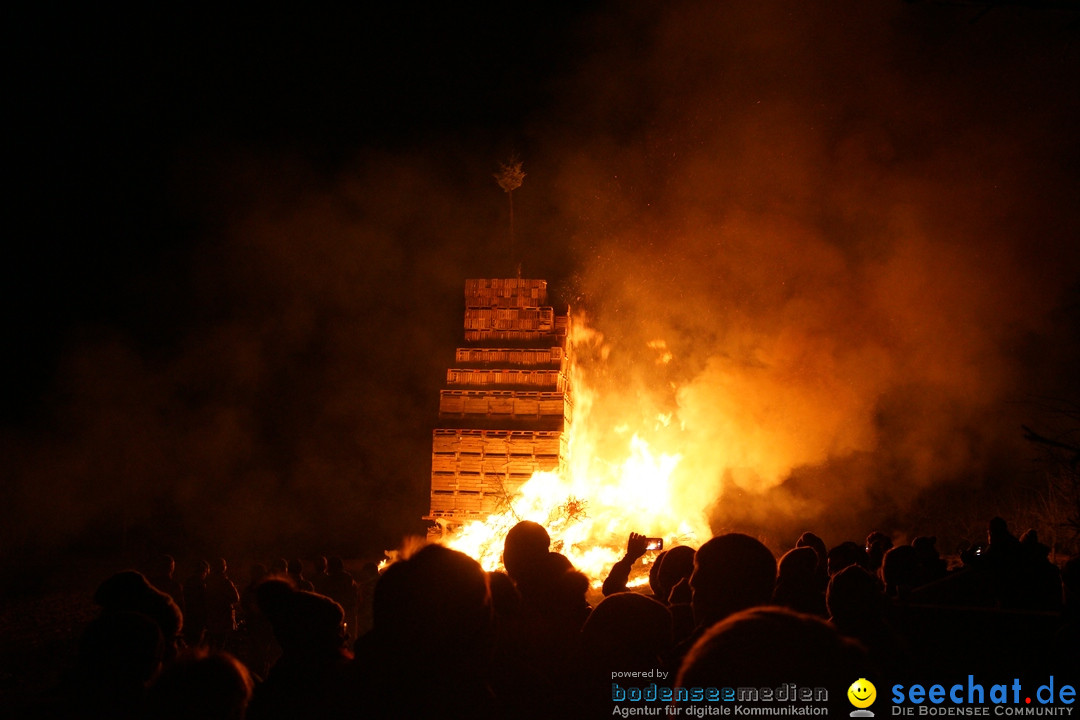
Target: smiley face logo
862,693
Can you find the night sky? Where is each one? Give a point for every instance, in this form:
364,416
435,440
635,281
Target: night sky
233,281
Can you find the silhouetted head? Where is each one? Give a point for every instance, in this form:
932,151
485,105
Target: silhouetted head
854,598
810,540
437,598
130,591
926,550
320,564
280,566
900,569
877,544
296,567
798,582
677,563
431,640
1029,541
219,566
335,565
876,537
626,630
526,546
304,622
846,554
731,572
996,526
557,590
798,565
768,647
202,684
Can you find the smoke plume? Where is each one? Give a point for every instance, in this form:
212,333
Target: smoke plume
851,232
827,249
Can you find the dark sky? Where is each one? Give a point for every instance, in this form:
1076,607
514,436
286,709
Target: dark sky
234,277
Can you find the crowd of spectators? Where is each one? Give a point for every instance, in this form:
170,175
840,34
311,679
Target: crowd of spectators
434,635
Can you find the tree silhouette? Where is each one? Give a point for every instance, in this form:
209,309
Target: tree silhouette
510,177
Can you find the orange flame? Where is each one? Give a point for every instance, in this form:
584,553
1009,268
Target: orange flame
591,507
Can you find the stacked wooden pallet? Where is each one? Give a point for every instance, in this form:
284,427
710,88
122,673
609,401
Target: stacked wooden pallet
512,357
505,292
504,403
476,472
507,377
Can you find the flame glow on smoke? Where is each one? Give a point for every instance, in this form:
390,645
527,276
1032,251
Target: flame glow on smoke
615,482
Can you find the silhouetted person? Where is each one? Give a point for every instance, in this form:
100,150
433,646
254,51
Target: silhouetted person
130,591
340,586
318,575
768,647
858,608
561,595
435,600
810,540
846,554
619,575
201,685
365,587
1018,574
732,572
505,598
626,631
221,601
159,572
671,586
553,609
506,679
118,655
279,567
296,572
195,601
526,544
797,584
260,649
931,566
1040,578
552,598
1001,545
900,571
672,582
249,603
854,600
310,678
877,544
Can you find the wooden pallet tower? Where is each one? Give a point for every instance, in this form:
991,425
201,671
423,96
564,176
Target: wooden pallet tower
507,404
